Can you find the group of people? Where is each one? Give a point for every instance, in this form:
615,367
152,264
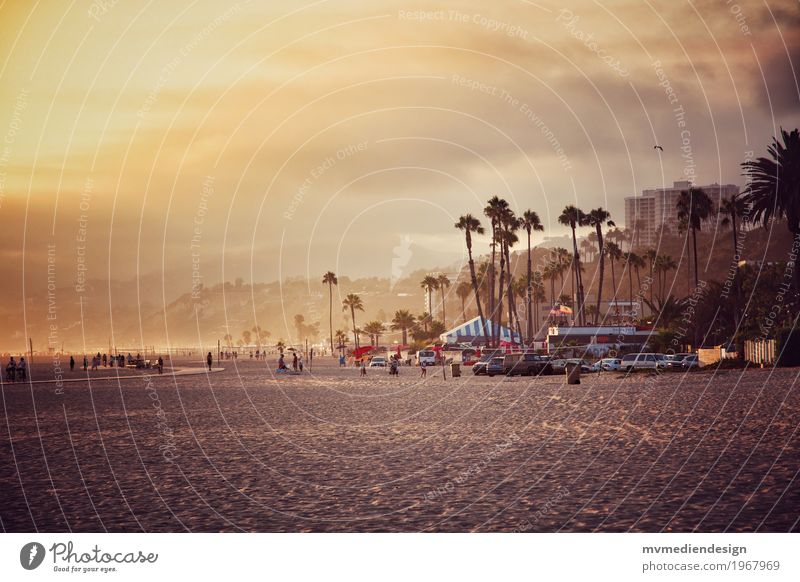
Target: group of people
297,362
17,371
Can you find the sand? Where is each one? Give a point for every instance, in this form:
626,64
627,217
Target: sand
243,450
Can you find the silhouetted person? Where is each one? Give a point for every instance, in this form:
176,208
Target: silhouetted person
209,360
294,361
11,370
22,369
160,364
71,364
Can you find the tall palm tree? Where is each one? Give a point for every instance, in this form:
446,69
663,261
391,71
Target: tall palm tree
663,265
694,207
353,302
596,219
774,186
574,217
469,224
429,283
734,210
443,283
463,290
330,280
494,210
530,221
403,321
630,258
549,273
375,330
538,297
614,254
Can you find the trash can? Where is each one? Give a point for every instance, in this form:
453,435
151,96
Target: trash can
455,370
573,373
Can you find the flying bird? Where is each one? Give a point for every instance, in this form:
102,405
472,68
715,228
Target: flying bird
658,147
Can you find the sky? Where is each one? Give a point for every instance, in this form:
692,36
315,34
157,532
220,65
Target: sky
262,140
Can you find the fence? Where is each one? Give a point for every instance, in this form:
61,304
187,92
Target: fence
760,352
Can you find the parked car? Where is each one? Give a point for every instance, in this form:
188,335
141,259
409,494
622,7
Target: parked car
607,365
558,364
641,361
495,366
479,367
377,362
674,361
530,364
428,357
690,361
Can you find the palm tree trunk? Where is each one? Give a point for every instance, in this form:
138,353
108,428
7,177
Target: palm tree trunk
500,290
475,289
444,313
630,285
463,310
491,284
602,266
529,298
576,266
353,316
614,287
330,320
694,249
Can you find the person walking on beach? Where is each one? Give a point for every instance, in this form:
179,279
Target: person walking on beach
160,364
363,368
294,361
85,363
423,369
22,369
11,370
300,363
342,361
71,364
209,360
105,360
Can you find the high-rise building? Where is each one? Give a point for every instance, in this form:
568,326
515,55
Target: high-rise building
657,208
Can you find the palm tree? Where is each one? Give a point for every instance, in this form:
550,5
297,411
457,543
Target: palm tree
330,280
247,336
424,320
598,218
494,210
614,254
735,209
630,258
443,283
228,339
694,207
774,186
530,221
663,265
353,302
403,321
549,273
429,283
463,289
375,330
538,296
341,337
574,217
470,224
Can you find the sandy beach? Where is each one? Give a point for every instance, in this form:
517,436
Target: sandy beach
243,450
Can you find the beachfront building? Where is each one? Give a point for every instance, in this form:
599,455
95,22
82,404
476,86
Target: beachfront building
598,340
656,208
472,332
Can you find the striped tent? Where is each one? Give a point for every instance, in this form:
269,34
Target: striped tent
473,332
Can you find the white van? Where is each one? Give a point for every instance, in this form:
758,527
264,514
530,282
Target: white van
643,361
427,356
